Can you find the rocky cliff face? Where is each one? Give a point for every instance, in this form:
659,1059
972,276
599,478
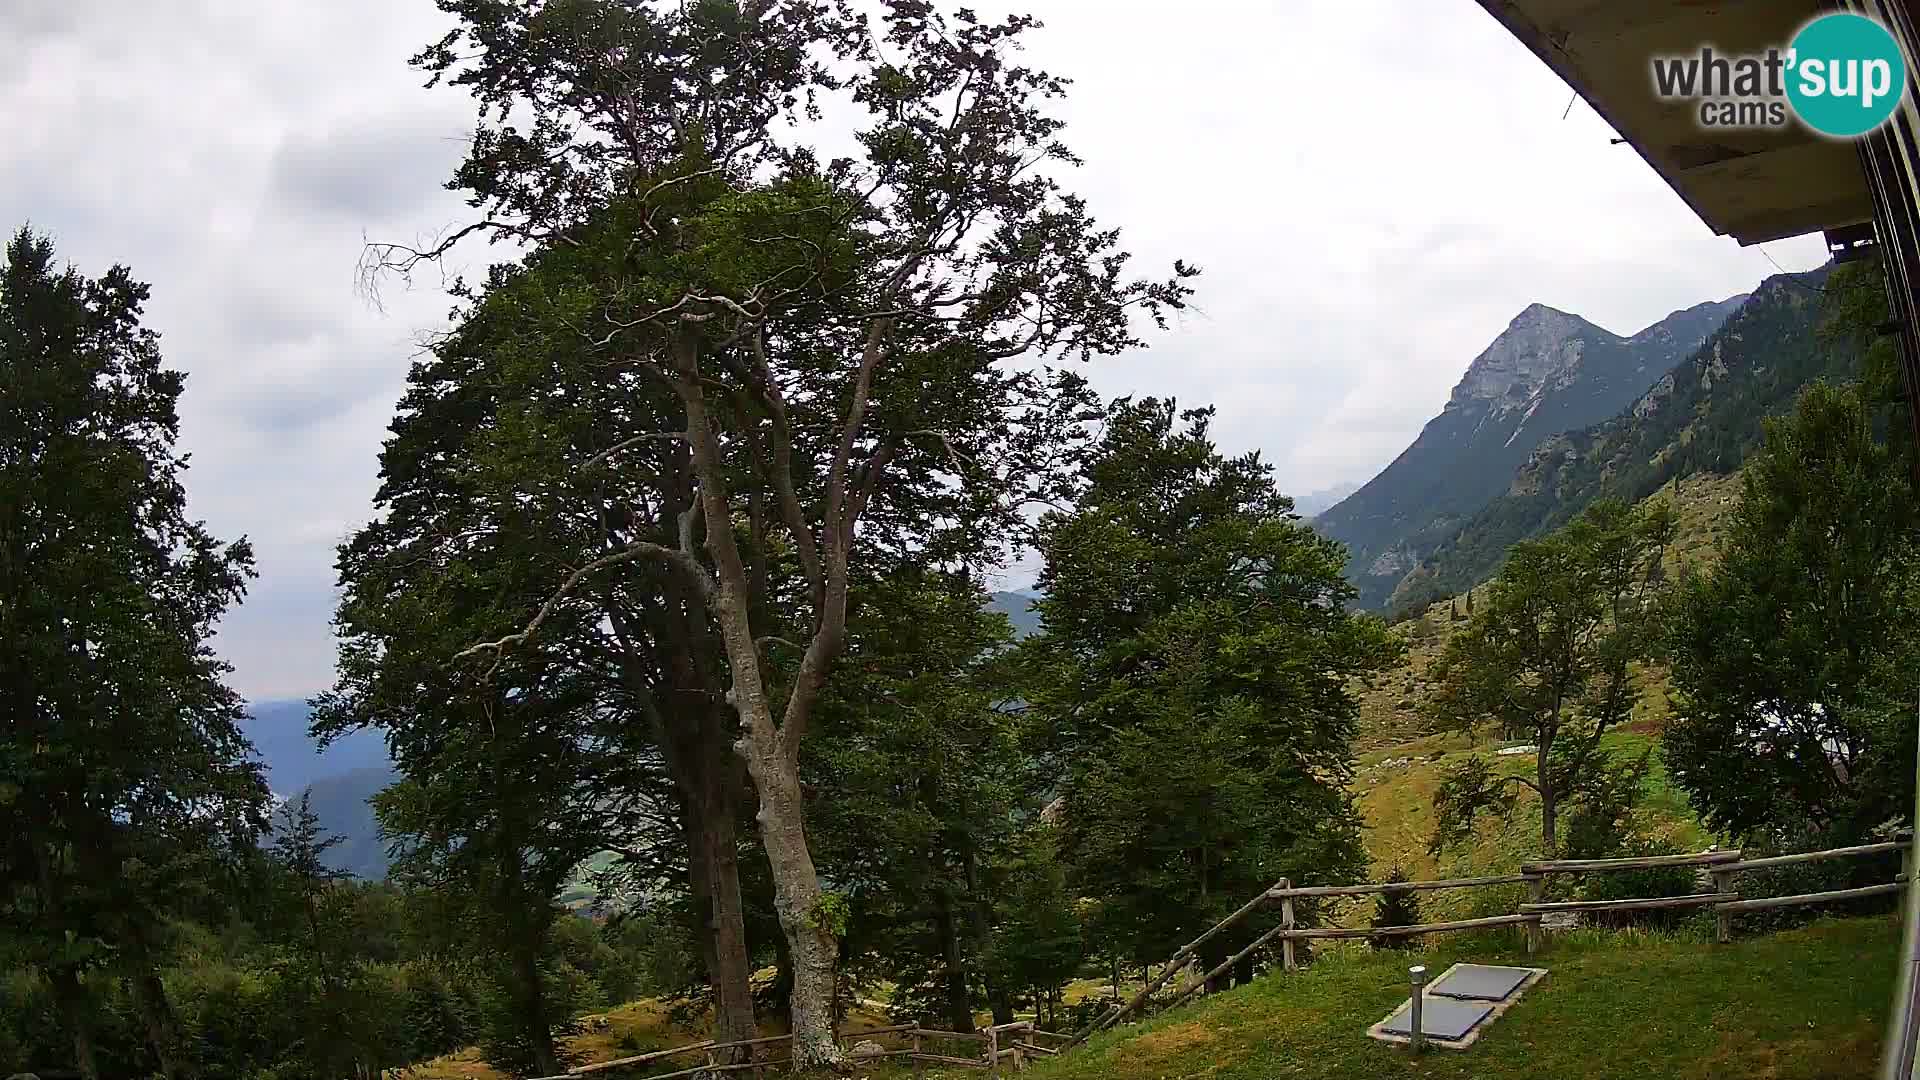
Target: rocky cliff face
1539,347
1549,371
1702,415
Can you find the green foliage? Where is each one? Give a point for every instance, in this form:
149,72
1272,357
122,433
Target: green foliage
1601,804
1040,940
126,792
1797,659
926,803
831,913
1824,875
1191,683
1400,908
252,1002
1467,789
1548,657
1636,884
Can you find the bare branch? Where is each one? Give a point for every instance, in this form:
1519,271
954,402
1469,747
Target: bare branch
627,443
959,458
634,550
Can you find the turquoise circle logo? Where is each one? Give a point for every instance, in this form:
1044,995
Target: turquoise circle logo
1847,75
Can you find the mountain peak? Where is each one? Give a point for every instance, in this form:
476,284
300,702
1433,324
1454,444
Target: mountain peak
1548,371
1682,322
1539,344
1538,312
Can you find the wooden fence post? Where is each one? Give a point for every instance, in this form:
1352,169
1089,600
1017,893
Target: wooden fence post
993,1051
1286,921
1536,893
919,1067
1722,917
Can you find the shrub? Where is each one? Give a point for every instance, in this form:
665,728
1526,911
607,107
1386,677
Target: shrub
1826,875
1395,909
1636,884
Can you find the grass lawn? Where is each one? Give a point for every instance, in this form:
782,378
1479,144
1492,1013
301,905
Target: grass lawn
1628,1005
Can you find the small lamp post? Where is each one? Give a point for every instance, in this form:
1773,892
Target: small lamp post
1416,1032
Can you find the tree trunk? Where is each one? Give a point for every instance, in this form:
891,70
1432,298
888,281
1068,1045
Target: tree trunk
772,751
1548,798
696,744
162,1029
150,1003
977,906
1211,954
724,914
796,902
526,933
72,1000
533,1001
959,998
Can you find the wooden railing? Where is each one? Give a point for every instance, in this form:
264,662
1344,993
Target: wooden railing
1013,1044
1724,900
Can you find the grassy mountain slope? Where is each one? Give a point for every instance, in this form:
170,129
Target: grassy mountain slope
1548,372
1400,757
1704,416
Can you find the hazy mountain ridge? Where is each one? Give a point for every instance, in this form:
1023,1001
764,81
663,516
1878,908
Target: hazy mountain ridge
1549,371
1315,503
1018,608
338,780
1701,417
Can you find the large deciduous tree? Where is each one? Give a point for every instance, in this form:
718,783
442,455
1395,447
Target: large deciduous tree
1193,678
1549,656
834,336
124,778
1796,656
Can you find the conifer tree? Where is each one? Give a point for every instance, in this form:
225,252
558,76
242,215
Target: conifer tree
124,777
1400,907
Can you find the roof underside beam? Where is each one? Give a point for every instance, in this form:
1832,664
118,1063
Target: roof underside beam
1753,185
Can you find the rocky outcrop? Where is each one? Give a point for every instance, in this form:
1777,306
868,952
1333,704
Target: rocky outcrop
1537,349
1546,372
1661,391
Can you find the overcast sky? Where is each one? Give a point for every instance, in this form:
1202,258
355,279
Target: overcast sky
1373,188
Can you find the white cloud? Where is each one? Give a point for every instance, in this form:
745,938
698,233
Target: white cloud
1373,188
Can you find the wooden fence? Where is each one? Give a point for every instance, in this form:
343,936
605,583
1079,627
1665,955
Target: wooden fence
1002,1045
1014,1045
1724,900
